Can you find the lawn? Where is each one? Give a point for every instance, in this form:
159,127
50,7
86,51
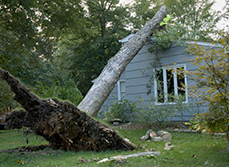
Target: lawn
191,149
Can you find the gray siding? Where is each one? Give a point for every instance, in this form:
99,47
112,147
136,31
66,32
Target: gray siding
136,82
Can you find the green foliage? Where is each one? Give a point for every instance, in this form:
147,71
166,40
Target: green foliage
29,30
123,109
20,35
6,95
195,20
139,111
216,121
142,12
209,122
198,123
164,112
212,79
198,17
175,33
33,22
87,52
68,91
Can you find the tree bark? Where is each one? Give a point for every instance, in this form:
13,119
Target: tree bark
111,73
62,124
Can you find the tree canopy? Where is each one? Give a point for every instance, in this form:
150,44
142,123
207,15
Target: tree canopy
29,30
88,52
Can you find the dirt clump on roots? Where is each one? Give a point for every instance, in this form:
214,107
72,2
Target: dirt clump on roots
16,119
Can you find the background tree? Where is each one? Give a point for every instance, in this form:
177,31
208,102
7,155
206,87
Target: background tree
29,31
141,12
30,28
197,15
195,20
212,76
6,97
89,50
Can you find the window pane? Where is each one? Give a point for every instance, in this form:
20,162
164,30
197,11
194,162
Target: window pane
123,95
181,82
170,85
122,89
160,86
122,86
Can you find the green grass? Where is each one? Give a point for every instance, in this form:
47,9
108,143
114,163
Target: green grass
192,149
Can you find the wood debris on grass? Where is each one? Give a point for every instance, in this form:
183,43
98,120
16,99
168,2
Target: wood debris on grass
122,157
159,136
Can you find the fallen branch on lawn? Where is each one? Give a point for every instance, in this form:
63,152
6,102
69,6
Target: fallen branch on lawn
123,157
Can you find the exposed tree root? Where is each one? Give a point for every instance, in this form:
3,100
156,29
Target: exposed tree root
63,124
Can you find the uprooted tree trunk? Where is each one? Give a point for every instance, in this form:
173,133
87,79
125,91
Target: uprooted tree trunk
67,127
64,125
111,73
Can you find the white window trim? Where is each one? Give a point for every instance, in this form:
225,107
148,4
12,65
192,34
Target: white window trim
119,89
175,84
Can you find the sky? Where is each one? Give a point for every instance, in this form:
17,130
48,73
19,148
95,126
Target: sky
219,5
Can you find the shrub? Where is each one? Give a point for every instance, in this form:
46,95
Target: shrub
138,111
123,109
67,91
6,97
164,112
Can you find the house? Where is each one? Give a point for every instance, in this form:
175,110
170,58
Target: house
133,82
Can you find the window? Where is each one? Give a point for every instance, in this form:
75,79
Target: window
121,89
170,82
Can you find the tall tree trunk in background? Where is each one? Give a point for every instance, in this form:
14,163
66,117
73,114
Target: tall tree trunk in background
111,73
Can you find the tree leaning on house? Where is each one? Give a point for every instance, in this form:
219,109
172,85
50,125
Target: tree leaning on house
111,73
212,84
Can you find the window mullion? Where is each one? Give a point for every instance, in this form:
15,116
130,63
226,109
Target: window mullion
165,85
186,88
119,91
175,82
155,86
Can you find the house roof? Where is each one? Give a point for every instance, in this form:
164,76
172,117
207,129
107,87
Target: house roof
128,37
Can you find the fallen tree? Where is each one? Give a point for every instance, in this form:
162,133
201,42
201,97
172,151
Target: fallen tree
66,126
63,124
